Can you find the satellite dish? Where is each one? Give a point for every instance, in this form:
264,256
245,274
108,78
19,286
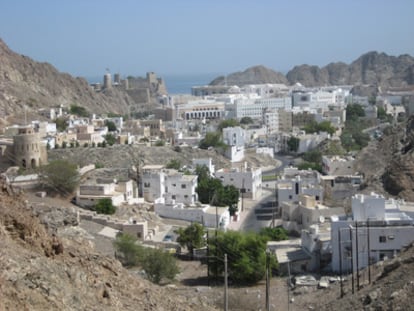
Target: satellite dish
321,219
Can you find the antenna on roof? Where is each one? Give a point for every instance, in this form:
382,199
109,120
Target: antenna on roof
225,80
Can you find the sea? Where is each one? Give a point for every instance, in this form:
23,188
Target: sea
176,83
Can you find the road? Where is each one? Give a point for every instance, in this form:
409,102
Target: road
250,221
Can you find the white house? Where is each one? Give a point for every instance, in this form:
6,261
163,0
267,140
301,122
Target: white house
169,184
378,230
180,188
295,182
209,216
234,138
336,165
249,179
118,191
301,215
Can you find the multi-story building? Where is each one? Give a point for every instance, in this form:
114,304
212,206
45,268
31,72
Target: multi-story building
295,182
234,138
200,109
377,230
170,185
157,128
254,108
249,179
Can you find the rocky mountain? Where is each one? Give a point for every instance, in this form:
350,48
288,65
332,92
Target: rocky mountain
29,85
371,68
252,75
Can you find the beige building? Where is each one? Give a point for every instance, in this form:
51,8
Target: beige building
28,151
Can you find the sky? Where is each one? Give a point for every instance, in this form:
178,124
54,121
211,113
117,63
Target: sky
87,37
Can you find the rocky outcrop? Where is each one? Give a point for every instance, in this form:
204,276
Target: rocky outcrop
252,75
44,271
29,85
371,68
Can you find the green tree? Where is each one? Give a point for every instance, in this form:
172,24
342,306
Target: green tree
159,265
202,172
129,253
110,139
160,143
246,253
293,144
191,237
326,126
174,164
381,113
61,124
310,165
110,125
227,123
274,234
246,120
79,111
60,176
314,156
212,139
354,111
230,197
105,206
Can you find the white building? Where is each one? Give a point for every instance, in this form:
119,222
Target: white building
301,215
234,138
209,216
249,179
168,184
119,192
336,165
378,227
295,182
253,108
315,100
179,187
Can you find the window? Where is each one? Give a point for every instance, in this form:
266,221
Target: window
185,196
382,239
183,186
147,185
173,197
290,197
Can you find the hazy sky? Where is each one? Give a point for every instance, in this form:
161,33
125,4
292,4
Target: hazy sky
84,37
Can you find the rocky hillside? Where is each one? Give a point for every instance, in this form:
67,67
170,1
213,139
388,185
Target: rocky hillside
252,75
388,163
27,83
371,68
41,270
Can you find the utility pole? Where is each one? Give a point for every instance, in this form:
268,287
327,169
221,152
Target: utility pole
357,253
267,282
208,261
288,285
226,297
352,260
340,263
369,255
